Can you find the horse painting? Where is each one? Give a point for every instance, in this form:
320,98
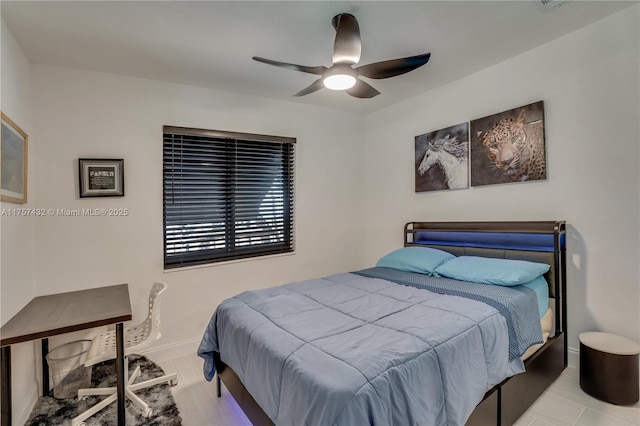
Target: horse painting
451,154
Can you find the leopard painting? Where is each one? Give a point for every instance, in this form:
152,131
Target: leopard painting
517,148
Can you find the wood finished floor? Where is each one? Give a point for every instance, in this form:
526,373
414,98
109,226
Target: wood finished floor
563,403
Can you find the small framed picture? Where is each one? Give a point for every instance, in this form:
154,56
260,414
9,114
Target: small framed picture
101,177
13,162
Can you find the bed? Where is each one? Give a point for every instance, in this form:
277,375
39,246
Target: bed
352,349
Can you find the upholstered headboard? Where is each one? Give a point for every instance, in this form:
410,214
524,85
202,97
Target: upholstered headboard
542,242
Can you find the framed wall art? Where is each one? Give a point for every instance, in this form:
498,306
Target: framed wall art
13,162
509,146
101,177
442,159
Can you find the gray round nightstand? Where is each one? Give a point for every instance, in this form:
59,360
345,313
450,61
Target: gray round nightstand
609,367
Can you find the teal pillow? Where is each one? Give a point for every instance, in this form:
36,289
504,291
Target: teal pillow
487,270
423,260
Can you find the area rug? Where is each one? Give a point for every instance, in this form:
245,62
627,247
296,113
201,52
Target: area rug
52,411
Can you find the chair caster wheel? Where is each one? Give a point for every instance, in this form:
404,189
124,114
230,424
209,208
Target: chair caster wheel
147,413
173,382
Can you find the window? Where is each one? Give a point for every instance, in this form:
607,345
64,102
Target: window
225,196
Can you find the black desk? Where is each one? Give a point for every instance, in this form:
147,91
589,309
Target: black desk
54,314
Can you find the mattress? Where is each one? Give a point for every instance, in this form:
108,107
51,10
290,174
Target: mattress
546,323
541,288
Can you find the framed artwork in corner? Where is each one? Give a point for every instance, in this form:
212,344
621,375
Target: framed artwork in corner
442,159
101,177
13,162
509,146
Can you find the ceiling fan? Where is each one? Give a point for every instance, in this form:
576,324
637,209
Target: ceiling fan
346,52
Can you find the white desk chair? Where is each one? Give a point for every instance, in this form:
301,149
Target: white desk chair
136,338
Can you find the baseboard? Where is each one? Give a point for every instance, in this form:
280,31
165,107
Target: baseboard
173,350
573,357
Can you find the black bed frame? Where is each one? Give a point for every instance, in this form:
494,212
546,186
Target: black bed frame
506,402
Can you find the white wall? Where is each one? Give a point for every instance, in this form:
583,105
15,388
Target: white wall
17,234
588,81
89,114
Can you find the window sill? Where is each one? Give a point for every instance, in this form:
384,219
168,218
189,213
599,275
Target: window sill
228,262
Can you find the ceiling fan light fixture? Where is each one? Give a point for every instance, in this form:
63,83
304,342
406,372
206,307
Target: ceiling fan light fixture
339,77
339,82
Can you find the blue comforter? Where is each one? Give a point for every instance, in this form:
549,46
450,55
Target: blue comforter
518,304
354,350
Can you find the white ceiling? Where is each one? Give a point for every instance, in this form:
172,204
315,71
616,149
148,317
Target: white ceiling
210,43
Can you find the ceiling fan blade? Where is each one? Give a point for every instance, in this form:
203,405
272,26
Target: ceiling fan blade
347,45
313,87
303,68
362,90
391,68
